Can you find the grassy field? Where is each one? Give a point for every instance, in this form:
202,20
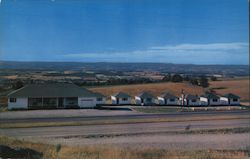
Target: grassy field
155,88
98,152
158,110
239,87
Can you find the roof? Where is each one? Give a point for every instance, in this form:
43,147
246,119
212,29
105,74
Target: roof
190,96
210,96
121,95
51,90
231,95
99,95
168,96
146,95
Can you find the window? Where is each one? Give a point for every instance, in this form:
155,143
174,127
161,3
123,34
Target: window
215,100
193,100
148,99
35,102
50,101
99,99
12,100
235,100
172,100
124,99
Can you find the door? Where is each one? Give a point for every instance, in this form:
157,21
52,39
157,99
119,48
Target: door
165,101
60,103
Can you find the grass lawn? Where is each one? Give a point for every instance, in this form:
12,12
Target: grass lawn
109,152
158,110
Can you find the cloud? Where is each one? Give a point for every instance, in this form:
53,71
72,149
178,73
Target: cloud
213,53
213,46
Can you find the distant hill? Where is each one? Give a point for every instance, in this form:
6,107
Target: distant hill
228,70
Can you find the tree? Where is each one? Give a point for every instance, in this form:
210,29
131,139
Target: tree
176,78
186,78
167,78
213,78
194,81
203,81
18,84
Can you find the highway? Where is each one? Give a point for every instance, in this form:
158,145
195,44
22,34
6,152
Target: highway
212,114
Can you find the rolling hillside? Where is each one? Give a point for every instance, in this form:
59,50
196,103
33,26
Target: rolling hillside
156,89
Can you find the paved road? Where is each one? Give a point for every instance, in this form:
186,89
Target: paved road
117,129
212,114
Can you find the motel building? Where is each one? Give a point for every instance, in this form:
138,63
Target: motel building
121,98
59,95
230,99
145,98
100,98
209,99
190,100
168,99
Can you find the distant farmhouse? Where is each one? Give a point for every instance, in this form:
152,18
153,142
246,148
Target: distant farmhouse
61,95
66,95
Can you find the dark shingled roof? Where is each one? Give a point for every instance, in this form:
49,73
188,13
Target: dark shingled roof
168,96
190,96
99,95
121,95
231,96
210,96
146,95
51,90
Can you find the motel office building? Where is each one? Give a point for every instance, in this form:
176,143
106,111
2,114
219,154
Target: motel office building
63,95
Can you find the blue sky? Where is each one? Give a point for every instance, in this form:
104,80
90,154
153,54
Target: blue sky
169,31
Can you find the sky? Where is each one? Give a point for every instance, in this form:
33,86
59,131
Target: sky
166,31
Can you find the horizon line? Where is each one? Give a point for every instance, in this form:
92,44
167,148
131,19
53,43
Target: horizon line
117,62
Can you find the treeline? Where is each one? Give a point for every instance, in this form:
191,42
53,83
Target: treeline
117,81
199,81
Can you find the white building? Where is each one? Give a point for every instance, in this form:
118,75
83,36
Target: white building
145,98
209,99
230,99
100,99
60,95
168,99
190,100
121,98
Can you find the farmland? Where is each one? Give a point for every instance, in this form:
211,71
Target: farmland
156,89
239,87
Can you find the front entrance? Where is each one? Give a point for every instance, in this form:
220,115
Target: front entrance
60,103
166,101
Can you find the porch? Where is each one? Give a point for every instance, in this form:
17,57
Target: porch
53,102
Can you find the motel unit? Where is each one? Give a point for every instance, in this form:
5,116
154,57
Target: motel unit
209,99
145,98
121,98
230,99
168,99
